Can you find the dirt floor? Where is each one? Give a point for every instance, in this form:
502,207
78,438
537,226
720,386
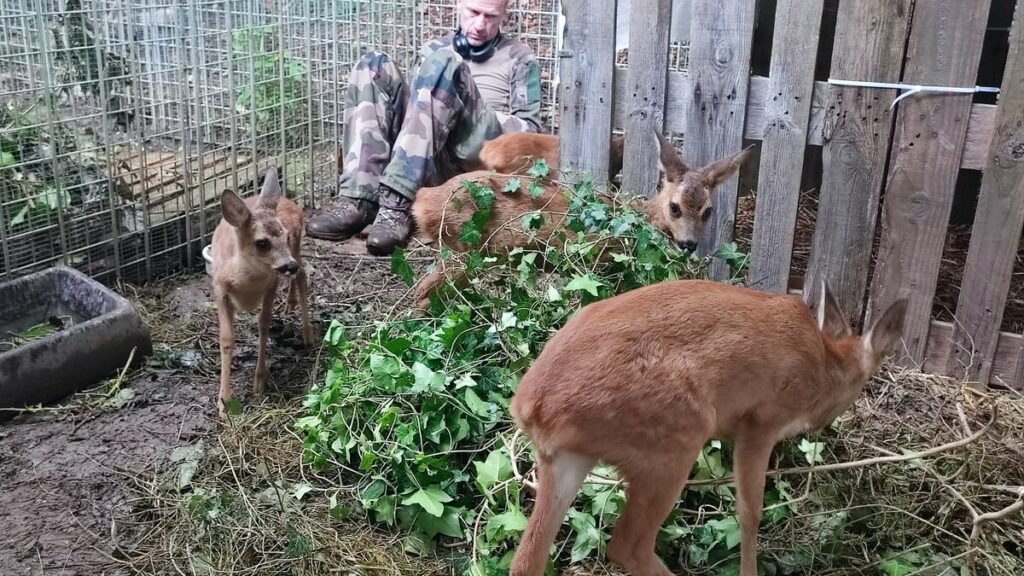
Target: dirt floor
64,469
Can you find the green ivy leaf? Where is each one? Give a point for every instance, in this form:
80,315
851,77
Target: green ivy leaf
812,450
496,468
511,186
426,379
584,283
532,221
535,190
510,522
476,405
400,267
447,524
539,169
301,489
373,490
431,499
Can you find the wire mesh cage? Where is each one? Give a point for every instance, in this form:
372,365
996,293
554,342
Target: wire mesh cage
124,120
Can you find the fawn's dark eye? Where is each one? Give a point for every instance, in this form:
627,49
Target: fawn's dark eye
263,245
706,214
674,210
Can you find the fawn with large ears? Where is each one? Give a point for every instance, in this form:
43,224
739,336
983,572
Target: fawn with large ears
683,204
257,241
642,380
440,211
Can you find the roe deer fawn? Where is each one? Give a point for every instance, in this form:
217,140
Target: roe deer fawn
680,209
257,241
515,153
642,380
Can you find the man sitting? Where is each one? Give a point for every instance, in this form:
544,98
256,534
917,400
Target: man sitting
467,88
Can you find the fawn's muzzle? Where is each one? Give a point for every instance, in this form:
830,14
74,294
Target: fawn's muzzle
290,267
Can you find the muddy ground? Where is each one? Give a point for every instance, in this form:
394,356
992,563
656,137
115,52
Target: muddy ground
64,470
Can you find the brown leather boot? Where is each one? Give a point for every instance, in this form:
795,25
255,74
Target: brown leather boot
393,223
345,220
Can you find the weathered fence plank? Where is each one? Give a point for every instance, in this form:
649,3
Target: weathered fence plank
869,46
721,33
1005,361
980,128
645,102
586,87
787,115
1018,376
976,144
943,50
997,227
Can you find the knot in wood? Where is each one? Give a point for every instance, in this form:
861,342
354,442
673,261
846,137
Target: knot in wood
1017,151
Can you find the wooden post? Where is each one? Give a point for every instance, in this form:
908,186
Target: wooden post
586,87
787,115
928,142
720,36
645,95
997,227
869,46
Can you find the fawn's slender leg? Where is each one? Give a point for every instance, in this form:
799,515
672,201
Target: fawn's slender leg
750,462
654,486
560,476
266,312
225,320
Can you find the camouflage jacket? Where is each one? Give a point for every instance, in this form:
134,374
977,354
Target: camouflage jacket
514,62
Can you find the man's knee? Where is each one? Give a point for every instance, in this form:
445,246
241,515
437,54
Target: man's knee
372,60
444,62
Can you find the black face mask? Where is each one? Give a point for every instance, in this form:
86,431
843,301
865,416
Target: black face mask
474,53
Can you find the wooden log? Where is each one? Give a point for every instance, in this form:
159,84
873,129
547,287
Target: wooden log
944,49
721,33
586,86
997,227
645,96
787,111
869,46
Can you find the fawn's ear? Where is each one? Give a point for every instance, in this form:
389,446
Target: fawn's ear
271,191
720,170
887,331
830,315
670,162
234,209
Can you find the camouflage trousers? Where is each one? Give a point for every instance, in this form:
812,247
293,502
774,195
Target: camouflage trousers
406,138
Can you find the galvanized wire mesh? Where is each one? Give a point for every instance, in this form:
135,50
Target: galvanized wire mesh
123,120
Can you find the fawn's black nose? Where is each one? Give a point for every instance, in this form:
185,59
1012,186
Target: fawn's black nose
689,245
289,267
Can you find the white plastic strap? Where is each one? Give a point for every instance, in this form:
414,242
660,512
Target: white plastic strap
912,88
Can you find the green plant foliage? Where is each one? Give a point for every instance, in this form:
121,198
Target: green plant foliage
417,408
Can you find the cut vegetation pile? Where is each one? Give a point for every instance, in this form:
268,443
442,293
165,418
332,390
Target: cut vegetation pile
402,458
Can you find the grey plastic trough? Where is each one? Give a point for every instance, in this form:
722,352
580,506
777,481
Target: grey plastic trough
99,331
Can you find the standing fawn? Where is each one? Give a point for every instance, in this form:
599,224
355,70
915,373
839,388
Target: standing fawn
643,380
680,209
257,241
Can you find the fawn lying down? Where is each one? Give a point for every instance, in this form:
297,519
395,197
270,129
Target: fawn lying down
256,241
515,153
680,209
643,380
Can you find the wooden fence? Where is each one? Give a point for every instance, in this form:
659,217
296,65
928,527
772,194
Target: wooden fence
905,159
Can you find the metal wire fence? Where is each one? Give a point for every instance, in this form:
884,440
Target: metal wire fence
122,121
